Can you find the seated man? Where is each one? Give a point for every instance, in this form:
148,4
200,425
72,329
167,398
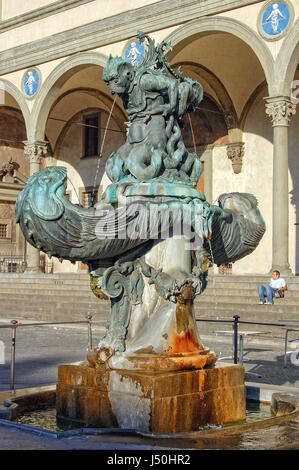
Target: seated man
276,285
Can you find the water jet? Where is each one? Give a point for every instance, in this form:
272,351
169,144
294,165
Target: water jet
148,245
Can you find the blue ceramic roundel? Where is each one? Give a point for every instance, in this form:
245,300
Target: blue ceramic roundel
31,82
275,19
134,53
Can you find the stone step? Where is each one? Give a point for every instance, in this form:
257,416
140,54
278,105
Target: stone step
248,293
261,279
98,320
246,284
84,293
278,307
248,316
53,315
75,275
42,283
247,299
53,284
47,303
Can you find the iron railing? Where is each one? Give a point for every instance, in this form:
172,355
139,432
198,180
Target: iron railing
12,263
14,325
238,338
288,325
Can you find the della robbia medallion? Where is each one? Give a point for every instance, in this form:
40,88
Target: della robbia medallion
134,53
274,19
31,82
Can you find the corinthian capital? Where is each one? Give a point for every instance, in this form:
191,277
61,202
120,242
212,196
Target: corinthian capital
235,152
35,150
280,110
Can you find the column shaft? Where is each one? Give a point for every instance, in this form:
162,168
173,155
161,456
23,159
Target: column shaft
280,109
35,151
280,204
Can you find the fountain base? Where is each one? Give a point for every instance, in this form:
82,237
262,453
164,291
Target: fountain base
164,402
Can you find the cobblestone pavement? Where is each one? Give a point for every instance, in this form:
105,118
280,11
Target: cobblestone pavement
39,351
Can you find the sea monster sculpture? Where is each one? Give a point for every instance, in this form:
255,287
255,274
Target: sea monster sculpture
152,198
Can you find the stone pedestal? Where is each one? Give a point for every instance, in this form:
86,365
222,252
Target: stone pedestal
166,402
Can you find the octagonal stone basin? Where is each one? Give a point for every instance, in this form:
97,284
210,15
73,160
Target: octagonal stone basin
272,422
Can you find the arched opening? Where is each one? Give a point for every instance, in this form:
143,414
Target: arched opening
75,117
231,63
14,172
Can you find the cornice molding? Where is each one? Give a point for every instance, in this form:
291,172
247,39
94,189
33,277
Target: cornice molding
163,14
39,13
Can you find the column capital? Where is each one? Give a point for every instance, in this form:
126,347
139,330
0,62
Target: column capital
280,109
235,152
35,150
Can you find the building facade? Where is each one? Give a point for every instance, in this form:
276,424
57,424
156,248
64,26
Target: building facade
54,105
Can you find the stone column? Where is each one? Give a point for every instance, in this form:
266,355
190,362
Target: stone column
280,109
35,151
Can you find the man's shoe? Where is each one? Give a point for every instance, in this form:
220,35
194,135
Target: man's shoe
262,303
270,303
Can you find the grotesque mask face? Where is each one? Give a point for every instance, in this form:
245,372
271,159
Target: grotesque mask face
119,84
118,75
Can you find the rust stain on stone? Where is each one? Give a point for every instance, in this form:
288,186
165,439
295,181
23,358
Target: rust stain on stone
184,342
184,309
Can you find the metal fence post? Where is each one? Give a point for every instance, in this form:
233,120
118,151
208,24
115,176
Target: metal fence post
235,327
89,320
13,353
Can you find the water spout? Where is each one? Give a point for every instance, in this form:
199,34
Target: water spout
101,152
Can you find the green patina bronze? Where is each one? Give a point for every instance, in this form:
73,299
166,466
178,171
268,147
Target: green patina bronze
152,173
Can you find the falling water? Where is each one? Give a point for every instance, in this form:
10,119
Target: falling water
74,189
101,152
191,127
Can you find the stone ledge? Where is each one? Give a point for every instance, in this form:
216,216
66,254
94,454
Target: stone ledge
120,27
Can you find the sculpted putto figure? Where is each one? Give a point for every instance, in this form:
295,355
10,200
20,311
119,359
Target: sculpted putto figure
155,98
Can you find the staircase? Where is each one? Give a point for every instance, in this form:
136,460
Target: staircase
67,297
49,297
230,295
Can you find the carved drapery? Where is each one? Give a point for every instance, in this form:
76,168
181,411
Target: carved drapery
235,152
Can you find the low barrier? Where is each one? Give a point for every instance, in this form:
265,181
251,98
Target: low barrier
288,325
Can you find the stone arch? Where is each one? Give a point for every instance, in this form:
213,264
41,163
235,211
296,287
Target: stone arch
119,114
222,94
67,126
12,90
49,90
287,62
250,102
184,35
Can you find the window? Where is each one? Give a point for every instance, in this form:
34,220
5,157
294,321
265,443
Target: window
85,195
91,134
86,199
3,231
